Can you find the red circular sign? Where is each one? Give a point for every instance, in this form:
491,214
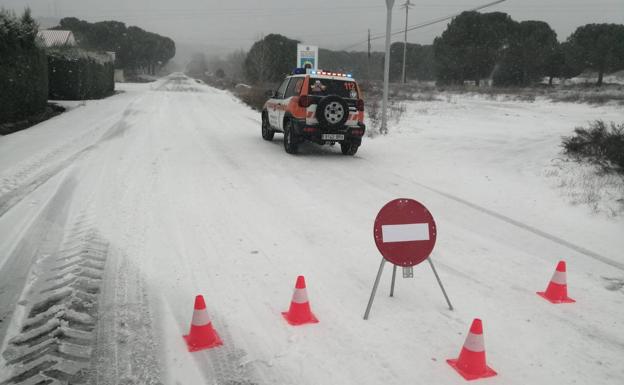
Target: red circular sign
404,232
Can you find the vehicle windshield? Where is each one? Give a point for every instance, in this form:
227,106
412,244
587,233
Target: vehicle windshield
343,88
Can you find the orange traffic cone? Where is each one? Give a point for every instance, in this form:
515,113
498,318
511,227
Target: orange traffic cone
557,290
471,362
202,335
299,312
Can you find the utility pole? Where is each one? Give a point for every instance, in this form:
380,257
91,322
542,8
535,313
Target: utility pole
369,45
384,102
407,7
368,57
262,61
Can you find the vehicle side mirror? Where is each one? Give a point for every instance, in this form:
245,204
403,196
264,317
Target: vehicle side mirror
271,93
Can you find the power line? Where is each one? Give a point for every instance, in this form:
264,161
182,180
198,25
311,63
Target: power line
431,22
425,24
230,12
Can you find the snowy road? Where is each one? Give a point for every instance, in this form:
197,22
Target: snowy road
173,191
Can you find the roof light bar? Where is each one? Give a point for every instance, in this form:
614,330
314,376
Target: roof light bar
326,73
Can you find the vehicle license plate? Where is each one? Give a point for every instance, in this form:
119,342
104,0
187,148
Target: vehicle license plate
332,137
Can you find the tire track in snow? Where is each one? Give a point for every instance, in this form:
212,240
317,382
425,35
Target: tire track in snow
531,229
10,199
225,365
125,345
55,340
34,174
42,238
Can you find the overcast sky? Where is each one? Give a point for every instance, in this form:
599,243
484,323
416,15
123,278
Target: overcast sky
232,24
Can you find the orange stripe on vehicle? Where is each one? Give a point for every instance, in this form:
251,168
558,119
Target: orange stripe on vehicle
293,107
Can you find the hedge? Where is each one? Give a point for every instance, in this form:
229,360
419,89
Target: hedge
23,83
75,74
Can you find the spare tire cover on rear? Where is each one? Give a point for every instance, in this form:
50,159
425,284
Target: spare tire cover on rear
332,111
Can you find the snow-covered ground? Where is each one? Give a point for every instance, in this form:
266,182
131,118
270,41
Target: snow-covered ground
173,180
592,77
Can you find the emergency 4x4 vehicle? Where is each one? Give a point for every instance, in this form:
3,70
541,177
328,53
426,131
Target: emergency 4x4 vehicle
322,107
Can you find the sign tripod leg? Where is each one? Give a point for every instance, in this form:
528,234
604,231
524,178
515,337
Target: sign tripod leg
394,269
372,297
440,283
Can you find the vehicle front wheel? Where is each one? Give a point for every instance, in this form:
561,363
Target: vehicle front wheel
267,132
348,148
290,140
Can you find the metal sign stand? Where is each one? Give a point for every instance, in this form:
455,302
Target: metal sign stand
393,279
440,283
372,297
376,284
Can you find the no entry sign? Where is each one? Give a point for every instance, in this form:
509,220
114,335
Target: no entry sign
404,232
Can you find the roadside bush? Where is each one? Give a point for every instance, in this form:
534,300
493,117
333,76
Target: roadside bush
601,143
254,97
23,68
76,74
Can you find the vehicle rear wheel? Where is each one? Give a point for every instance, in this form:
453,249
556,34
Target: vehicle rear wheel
348,148
290,140
267,132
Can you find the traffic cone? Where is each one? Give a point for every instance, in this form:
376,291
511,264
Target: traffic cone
299,312
471,362
557,290
202,335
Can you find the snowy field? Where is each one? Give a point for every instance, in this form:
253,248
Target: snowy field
172,192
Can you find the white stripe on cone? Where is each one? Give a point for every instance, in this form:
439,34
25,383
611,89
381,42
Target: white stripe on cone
200,318
405,233
474,343
300,296
559,277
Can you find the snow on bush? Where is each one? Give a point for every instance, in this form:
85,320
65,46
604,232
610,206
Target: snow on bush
593,172
601,143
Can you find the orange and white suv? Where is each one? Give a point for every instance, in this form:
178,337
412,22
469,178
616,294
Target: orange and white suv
322,107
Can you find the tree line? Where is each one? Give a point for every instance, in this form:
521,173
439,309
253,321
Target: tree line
478,46
474,47
135,49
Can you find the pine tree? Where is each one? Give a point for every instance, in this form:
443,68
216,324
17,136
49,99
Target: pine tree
600,47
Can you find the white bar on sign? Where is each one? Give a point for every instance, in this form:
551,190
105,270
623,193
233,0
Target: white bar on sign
405,233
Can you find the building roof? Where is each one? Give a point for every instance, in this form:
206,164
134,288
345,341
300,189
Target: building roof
53,38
